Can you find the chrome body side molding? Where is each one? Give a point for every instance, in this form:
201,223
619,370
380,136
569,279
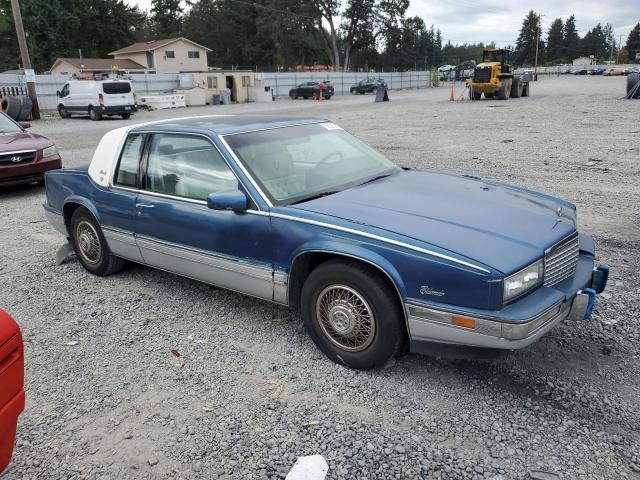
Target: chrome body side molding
381,239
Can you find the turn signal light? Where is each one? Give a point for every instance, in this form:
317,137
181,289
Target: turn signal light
464,322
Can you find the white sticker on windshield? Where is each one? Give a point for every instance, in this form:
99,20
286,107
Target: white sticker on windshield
331,126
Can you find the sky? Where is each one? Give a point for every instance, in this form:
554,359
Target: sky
475,21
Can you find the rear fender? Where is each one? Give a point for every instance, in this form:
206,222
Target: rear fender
83,201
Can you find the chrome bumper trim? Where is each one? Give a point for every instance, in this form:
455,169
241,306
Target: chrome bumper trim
434,325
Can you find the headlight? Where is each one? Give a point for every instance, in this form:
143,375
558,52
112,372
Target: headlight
52,150
523,281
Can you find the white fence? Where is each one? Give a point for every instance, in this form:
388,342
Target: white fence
563,69
48,85
282,82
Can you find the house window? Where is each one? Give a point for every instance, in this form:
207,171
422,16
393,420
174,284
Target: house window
193,54
212,82
170,54
246,81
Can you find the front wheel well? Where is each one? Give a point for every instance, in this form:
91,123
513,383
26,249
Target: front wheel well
305,263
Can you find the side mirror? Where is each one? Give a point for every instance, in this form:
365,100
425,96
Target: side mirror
57,93
24,125
234,200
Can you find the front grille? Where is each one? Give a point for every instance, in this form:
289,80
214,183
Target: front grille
17,158
560,263
482,75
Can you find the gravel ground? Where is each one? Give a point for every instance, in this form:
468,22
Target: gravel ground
250,392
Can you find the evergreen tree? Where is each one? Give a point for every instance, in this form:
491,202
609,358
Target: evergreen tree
166,17
595,43
633,42
59,28
526,44
555,42
571,39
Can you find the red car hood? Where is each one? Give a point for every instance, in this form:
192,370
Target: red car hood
11,142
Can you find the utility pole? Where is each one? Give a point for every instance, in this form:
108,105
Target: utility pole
26,61
535,68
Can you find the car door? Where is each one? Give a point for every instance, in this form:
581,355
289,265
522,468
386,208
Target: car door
118,204
177,232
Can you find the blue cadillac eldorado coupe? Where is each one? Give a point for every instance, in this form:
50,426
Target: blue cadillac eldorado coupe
299,212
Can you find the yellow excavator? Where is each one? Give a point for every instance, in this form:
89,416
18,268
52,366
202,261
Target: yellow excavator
494,77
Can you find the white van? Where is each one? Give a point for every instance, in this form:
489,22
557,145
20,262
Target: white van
96,98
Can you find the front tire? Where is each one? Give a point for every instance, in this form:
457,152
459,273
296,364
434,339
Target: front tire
505,90
95,114
352,314
90,245
63,112
126,116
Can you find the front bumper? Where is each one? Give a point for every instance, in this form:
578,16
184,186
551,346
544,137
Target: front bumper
29,172
429,324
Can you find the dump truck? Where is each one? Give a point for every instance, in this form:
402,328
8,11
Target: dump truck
495,78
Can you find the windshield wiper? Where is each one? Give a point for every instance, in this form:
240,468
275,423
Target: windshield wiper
314,196
376,178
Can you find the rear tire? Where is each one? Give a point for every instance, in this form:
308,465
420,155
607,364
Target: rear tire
475,95
63,112
352,314
95,114
505,89
126,116
90,245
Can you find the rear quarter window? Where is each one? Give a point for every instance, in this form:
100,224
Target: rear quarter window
116,87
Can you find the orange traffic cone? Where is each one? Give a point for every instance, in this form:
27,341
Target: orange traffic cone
321,95
462,96
452,98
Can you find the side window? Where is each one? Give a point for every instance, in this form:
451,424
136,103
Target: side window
246,81
187,166
127,172
170,53
65,91
212,82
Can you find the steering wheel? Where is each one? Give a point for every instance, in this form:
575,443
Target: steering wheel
326,158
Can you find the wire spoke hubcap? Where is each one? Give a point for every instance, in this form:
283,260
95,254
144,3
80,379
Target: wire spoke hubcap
88,242
345,318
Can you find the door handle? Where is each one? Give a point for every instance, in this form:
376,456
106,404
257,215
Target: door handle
144,205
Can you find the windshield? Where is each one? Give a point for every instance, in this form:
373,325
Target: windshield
7,125
295,163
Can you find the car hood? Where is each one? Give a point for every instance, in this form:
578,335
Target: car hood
499,225
11,142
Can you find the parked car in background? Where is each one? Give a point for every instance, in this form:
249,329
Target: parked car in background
97,98
582,71
312,90
367,85
630,70
24,156
299,212
597,71
615,71
11,385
